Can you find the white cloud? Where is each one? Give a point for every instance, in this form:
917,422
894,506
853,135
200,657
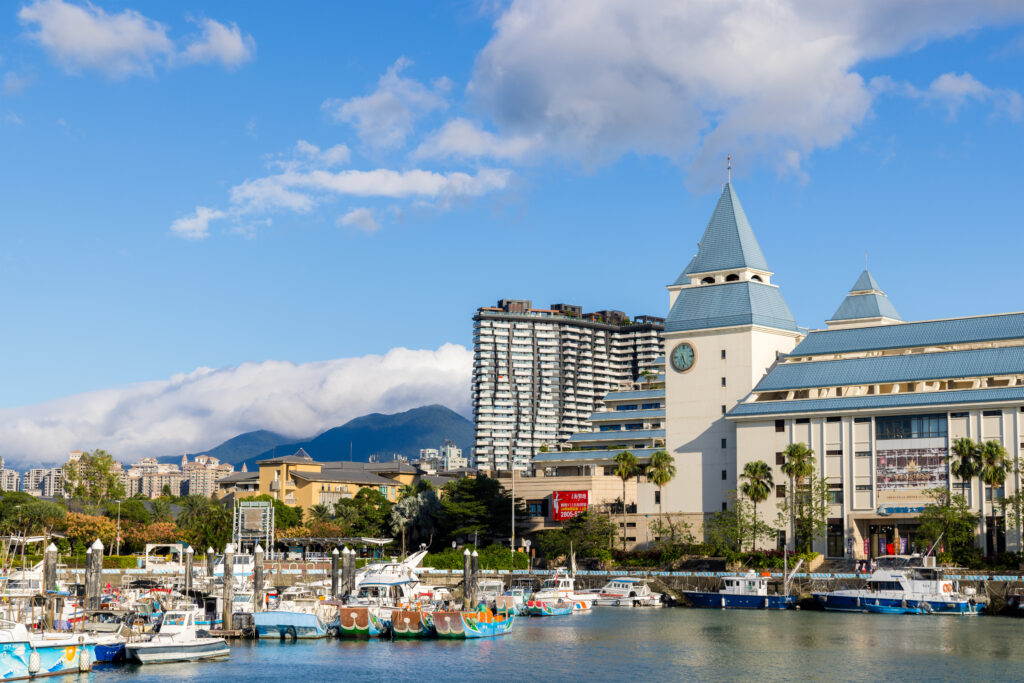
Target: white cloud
693,81
953,91
384,118
220,43
333,156
196,226
81,37
361,218
87,37
15,84
464,139
198,410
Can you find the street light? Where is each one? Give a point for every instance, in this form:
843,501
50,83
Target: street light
118,528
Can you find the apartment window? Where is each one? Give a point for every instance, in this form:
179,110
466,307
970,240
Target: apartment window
780,458
835,493
803,421
834,418
992,413
630,525
724,443
650,406
723,354
631,539
911,427
537,508
780,425
725,506
965,414
725,474
863,487
723,410
834,451
780,490
862,454
862,419
657,497
723,381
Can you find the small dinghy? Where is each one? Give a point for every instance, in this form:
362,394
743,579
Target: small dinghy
177,641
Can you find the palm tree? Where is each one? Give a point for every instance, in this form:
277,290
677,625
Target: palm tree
799,464
160,509
994,464
661,470
192,508
319,513
967,466
757,486
625,469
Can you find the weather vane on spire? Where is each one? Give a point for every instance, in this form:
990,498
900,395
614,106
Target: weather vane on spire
728,168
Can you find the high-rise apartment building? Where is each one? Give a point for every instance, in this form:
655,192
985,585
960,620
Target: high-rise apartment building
9,480
45,482
539,373
202,474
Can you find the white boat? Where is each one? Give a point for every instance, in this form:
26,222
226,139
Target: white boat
561,586
905,585
177,641
23,655
626,591
488,590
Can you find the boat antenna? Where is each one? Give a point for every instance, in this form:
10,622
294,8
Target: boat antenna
934,544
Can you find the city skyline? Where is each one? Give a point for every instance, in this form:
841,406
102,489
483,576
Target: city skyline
199,243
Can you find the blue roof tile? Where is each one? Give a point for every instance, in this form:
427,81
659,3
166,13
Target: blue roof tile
917,367
728,305
728,240
634,395
620,435
582,457
866,300
935,398
905,335
624,415
865,282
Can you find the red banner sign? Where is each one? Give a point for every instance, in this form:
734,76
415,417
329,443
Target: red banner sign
567,504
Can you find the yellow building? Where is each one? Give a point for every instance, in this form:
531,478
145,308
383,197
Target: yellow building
299,480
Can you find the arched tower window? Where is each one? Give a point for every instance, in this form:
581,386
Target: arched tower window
708,281
732,277
756,278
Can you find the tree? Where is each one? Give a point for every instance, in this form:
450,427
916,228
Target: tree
758,482
415,514
660,471
319,513
131,510
1013,509
212,528
967,466
95,478
284,516
165,492
798,465
370,510
586,534
994,464
160,509
808,509
950,519
477,510
625,469
193,509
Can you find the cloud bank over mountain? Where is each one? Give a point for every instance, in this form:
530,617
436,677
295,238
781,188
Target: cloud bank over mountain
197,410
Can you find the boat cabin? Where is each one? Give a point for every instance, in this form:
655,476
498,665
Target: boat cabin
747,584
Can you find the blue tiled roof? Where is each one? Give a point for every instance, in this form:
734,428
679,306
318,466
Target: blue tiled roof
621,435
870,303
865,282
930,333
621,415
684,277
873,305
922,366
584,457
935,398
634,395
728,240
728,305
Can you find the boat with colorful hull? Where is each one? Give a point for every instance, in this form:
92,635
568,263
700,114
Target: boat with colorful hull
477,624
902,583
24,656
554,608
561,586
409,623
361,622
293,624
746,591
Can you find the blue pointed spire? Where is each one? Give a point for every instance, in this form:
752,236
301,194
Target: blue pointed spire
866,300
728,241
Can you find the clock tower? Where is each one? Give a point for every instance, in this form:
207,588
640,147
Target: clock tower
726,325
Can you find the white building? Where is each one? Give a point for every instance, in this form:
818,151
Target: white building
149,477
45,482
539,373
202,474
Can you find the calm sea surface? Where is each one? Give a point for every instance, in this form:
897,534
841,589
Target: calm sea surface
642,645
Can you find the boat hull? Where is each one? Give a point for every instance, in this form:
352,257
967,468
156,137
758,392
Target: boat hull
361,622
732,601
411,624
539,608
284,624
54,660
467,625
114,652
834,602
161,653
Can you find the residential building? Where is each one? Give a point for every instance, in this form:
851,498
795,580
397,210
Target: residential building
149,477
538,374
10,480
239,485
447,458
44,482
299,480
200,476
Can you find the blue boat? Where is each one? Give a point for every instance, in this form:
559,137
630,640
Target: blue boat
25,656
746,591
289,624
904,585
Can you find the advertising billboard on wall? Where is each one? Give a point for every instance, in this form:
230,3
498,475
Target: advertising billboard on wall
904,472
567,504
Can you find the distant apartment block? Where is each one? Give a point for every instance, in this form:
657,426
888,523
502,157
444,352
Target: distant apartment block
538,374
45,482
149,477
202,474
10,480
447,458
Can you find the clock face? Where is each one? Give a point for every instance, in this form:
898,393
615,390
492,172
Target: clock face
683,357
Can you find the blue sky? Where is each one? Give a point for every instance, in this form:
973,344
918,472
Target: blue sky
377,171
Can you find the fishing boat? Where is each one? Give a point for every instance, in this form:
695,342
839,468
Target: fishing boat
902,583
23,655
548,608
298,614
561,586
360,621
411,623
626,591
515,598
176,640
488,590
472,624
746,591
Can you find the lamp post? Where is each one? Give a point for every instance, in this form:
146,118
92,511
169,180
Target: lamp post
118,528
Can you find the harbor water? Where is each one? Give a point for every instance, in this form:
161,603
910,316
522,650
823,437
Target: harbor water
640,645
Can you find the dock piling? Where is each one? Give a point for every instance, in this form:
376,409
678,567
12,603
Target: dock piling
210,557
189,556
229,586
257,579
334,574
94,576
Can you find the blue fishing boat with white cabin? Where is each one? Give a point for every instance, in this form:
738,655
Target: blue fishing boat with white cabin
744,591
